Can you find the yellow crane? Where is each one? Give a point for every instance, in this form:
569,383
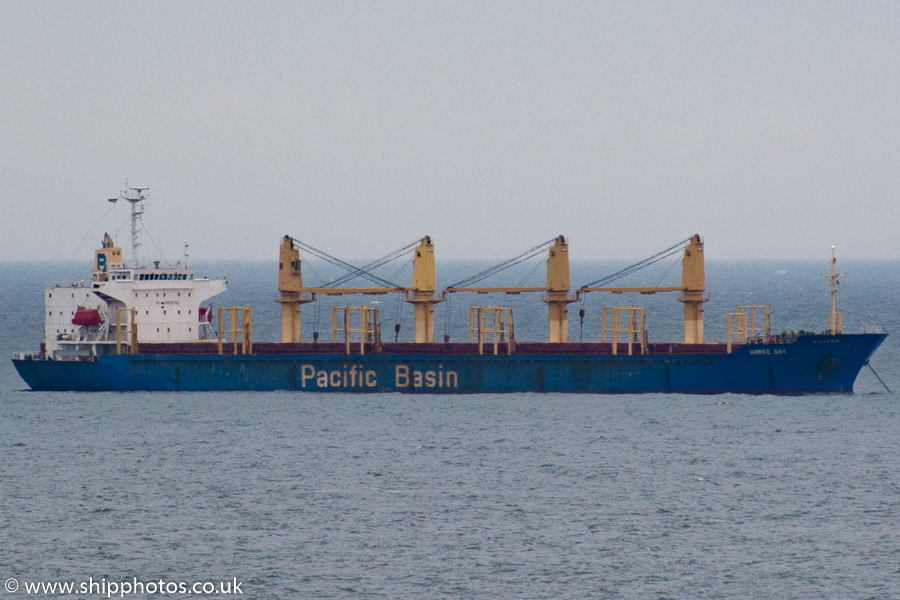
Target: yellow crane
421,294
556,290
293,293
691,291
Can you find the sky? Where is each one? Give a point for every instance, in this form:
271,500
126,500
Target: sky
770,128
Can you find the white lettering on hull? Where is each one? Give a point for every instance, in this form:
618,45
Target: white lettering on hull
767,351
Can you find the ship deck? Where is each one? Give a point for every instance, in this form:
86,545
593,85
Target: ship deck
435,349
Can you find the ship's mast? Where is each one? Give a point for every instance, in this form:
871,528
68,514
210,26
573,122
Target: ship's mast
135,196
835,318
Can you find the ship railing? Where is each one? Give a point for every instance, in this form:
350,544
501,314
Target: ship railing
21,356
871,328
73,285
736,330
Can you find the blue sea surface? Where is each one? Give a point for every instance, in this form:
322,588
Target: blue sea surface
303,495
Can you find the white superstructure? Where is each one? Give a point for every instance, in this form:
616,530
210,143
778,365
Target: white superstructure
81,318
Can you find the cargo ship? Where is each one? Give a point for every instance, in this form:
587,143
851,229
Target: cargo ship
139,327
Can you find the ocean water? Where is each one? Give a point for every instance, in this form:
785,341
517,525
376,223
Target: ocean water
299,495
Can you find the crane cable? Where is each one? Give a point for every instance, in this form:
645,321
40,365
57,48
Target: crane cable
352,270
363,271
447,319
531,253
640,264
379,262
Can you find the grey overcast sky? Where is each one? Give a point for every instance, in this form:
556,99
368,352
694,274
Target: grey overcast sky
770,128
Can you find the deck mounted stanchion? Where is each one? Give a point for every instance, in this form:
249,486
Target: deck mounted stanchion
369,329
493,324
628,321
241,336
735,330
756,331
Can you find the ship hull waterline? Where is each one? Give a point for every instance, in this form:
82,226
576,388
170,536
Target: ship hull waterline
811,364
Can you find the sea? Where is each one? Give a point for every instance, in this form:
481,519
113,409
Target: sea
304,495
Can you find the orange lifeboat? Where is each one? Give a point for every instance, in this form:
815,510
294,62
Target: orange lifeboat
89,317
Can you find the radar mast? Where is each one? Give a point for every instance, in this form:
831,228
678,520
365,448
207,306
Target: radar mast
135,196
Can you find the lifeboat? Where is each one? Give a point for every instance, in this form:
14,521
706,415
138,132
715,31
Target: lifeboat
205,314
89,317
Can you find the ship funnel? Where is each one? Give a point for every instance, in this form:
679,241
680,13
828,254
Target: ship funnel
108,254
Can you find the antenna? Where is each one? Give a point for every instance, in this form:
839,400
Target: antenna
135,195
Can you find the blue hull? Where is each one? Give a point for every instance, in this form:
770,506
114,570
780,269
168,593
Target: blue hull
810,364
